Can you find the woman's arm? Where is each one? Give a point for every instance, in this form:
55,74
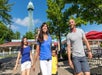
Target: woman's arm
36,54
17,60
31,57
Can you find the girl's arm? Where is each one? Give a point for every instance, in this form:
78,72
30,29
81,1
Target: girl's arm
57,62
17,60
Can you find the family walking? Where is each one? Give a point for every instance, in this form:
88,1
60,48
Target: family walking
48,56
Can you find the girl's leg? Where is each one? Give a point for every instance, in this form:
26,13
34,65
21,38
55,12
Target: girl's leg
25,68
23,72
28,71
28,68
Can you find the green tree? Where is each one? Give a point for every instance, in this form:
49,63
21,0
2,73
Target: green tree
5,8
88,10
17,35
29,35
83,12
35,32
3,30
6,34
9,35
55,14
58,20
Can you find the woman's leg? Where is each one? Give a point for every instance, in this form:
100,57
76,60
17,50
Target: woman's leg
49,67
43,66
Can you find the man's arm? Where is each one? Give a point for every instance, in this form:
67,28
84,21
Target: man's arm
69,52
69,56
88,47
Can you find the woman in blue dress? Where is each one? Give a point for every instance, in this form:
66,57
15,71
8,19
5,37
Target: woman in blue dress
43,50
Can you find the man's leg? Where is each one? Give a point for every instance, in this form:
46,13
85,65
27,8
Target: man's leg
79,73
86,73
77,65
85,66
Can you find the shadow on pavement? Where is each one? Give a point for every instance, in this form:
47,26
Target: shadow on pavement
70,70
96,70
6,64
66,66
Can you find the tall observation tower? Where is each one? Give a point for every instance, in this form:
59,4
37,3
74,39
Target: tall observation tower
30,9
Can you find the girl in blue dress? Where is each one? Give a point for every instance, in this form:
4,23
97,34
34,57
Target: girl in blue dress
26,57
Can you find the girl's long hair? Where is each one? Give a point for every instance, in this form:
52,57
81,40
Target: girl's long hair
22,44
40,36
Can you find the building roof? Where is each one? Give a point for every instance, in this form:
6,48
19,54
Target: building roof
11,44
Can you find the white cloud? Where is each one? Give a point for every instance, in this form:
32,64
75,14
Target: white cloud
36,21
15,28
25,21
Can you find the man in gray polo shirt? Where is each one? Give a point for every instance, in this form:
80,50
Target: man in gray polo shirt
75,40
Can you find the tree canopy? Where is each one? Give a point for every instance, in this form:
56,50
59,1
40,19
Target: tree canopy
5,8
6,34
54,12
83,11
88,10
60,11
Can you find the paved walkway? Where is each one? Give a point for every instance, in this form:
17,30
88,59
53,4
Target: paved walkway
7,64
63,68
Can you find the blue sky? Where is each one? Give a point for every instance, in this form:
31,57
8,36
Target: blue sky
20,16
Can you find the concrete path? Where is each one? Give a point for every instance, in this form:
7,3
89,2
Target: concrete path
63,68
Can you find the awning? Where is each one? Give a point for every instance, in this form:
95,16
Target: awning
94,35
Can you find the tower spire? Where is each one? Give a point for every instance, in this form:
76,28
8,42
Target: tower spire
30,9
